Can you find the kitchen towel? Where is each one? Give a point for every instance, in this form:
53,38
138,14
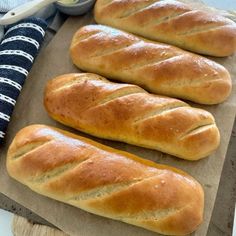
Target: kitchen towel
18,49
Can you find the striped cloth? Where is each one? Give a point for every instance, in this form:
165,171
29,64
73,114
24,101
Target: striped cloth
18,49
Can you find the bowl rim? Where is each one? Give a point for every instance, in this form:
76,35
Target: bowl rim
74,5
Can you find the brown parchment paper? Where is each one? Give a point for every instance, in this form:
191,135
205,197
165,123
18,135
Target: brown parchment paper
53,61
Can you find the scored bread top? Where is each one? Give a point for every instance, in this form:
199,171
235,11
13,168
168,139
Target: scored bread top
127,113
159,68
172,22
105,181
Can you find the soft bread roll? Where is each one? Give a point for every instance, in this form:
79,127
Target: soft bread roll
171,22
105,181
159,68
127,113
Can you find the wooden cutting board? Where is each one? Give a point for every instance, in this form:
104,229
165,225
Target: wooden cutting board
23,227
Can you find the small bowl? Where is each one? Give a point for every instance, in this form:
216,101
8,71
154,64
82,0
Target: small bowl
76,9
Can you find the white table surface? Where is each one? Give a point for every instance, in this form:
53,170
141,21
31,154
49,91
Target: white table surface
5,223
6,217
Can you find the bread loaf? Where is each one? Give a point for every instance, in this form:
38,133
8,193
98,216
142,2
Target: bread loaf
159,68
105,181
171,22
127,113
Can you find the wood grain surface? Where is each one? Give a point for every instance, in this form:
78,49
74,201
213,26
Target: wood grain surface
22,227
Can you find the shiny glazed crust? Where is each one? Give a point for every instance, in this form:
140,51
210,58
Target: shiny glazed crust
105,181
127,113
159,68
171,22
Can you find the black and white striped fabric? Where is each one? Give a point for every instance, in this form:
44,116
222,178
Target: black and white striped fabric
18,49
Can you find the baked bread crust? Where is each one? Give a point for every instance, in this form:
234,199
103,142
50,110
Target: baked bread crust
127,113
171,22
105,181
159,68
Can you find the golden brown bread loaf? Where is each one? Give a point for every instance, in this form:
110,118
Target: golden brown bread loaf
159,68
171,22
127,113
105,181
